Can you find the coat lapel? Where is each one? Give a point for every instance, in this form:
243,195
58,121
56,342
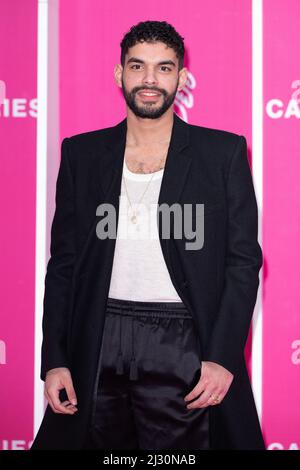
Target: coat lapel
107,176
176,167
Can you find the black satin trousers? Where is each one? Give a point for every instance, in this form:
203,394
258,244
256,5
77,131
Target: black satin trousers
149,360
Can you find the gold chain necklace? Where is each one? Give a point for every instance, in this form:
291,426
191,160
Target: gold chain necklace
133,218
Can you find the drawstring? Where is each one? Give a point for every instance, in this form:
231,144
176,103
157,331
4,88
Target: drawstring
133,374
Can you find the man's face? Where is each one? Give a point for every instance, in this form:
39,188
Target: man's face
150,68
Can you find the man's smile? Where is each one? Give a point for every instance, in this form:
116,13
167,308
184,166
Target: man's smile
149,95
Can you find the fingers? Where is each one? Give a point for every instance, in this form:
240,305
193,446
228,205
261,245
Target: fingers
71,392
57,405
197,390
212,387
200,401
205,395
69,406
207,398
56,382
48,398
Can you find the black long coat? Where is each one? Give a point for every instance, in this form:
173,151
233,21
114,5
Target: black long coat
218,283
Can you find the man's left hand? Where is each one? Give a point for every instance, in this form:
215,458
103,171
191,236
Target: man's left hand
212,387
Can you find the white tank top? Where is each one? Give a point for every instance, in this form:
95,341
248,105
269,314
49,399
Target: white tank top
139,270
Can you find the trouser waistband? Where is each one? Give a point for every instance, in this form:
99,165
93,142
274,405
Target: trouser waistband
133,308
136,307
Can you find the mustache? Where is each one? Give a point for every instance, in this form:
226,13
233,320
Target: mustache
136,90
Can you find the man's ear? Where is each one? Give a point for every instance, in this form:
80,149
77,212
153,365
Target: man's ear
118,70
183,76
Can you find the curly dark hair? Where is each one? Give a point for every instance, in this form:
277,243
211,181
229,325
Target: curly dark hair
152,31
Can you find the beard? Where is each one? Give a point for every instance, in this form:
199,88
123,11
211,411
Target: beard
148,110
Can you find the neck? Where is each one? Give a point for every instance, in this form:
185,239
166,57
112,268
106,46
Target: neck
144,132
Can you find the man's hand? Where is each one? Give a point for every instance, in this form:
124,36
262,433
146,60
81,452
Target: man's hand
212,387
57,379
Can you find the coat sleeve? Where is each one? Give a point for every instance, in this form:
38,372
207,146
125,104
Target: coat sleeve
59,270
243,262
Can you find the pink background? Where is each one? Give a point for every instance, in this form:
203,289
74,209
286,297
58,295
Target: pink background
218,40
18,69
281,377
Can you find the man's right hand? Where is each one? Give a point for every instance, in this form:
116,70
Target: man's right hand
56,380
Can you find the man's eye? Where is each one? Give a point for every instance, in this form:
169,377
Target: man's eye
164,67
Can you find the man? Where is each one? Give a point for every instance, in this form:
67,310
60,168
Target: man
144,339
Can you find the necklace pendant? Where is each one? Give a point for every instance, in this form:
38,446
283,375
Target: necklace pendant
133,219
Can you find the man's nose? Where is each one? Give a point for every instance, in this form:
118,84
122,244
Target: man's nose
150,77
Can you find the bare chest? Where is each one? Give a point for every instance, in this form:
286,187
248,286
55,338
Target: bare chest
145,161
